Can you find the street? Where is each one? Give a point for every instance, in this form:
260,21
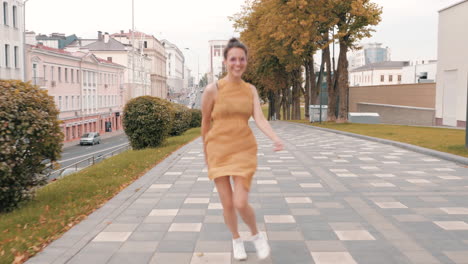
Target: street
76,153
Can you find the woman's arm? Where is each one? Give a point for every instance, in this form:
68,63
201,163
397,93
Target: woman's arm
208,98
262,123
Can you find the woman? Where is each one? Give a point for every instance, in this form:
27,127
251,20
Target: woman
230,147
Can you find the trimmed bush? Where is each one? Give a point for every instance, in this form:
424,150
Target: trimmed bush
147,121
196,118
30,137
182,119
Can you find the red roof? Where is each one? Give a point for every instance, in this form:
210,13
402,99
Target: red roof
53,49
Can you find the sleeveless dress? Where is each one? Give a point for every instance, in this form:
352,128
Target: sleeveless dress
230,144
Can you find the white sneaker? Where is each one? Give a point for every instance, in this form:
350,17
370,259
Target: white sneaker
238,249
261,245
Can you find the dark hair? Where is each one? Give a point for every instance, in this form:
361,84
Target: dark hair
234,43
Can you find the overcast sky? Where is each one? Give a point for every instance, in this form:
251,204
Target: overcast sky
408,27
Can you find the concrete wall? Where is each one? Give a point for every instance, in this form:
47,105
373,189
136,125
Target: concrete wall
452,68
401,115
415,95
11,35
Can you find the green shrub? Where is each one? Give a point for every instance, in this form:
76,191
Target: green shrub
196,118
147,121
30,137
182,119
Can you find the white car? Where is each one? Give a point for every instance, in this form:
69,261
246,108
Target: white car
90,138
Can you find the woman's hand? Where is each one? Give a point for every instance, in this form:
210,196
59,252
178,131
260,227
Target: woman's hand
278,145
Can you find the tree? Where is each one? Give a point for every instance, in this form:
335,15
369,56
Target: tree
354,21
203,81
30,137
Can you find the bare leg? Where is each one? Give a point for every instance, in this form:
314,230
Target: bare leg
241,203
223,185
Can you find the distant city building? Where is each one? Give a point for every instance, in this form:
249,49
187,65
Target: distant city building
11,40
86,89
368,54
420,71
54,40
155,51
137,77
175,65
452,66
217,67
381,73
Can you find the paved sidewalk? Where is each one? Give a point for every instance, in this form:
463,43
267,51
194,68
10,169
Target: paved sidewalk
326,199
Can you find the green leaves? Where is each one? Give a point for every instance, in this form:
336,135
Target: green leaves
29,134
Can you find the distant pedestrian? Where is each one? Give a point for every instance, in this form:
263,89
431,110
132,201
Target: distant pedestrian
230,146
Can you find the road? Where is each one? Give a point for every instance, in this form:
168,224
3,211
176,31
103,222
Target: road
76,153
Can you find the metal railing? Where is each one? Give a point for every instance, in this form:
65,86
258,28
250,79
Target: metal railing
77,166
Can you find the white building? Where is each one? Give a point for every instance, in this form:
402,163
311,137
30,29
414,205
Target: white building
137,77
11,40
421,71
368,54
155,51
452,68
381,73
175,64
216,59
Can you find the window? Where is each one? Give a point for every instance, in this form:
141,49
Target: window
60,103
66,74
59,74
16,54
72,76
45,72
78,76
15,17
72,107
52,69
382,78
390,78
399,78
85,78
66,103
5,13
109,59
7,55
145,44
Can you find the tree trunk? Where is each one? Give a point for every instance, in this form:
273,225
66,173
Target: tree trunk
331,111
320,79
313,87
296,94
277,114
343,87
306,90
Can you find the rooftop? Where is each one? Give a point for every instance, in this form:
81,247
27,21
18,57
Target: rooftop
382,65
453,5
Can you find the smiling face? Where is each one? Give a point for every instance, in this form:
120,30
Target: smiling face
236,62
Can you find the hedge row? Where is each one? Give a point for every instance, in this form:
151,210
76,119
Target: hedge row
148,120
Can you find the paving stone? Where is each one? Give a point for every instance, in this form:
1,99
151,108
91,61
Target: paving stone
327,198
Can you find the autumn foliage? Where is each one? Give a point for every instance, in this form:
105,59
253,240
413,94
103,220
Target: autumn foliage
284,35
30,137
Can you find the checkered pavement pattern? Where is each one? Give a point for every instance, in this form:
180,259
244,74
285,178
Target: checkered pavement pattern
325,199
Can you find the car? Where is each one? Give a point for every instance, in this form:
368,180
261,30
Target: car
90,138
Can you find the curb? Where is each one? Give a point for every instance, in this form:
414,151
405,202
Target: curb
426,151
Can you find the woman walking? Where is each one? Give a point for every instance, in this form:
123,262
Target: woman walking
230,146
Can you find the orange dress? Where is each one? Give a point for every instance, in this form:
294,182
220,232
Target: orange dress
231,147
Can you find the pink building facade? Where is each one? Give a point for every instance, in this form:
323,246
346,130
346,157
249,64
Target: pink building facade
87,90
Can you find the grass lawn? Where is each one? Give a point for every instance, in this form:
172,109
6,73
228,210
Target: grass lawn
441,139
61,204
